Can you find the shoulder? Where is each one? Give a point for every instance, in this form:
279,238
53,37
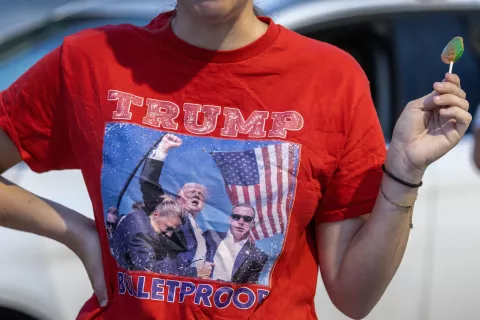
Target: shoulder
116,36
92,40
85,53
133,218
316,51
322,62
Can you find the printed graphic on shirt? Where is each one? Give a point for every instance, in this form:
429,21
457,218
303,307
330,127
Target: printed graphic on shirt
200,207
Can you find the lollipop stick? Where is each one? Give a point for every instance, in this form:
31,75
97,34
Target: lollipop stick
451,67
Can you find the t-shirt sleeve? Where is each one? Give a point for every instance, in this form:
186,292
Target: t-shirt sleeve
33,114
355,184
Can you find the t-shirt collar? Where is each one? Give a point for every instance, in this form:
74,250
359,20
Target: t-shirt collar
206,55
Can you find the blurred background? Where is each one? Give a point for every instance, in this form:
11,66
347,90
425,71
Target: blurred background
397,42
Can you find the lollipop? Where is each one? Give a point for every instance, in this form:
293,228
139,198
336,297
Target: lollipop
452,52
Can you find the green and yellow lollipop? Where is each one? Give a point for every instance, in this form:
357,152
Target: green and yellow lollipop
453,52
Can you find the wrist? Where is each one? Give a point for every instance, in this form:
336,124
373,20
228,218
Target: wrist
159,155
398,165
79,233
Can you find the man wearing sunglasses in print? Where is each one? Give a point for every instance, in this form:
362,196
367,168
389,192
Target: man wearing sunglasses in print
234,256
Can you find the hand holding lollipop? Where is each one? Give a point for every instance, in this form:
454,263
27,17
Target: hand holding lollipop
431,126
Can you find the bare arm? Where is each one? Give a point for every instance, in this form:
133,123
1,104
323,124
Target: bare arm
359,257
24,211
476,150
9,155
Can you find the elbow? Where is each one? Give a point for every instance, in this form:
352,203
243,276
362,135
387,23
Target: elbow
354,306
476,149
355,312
359,315
476,160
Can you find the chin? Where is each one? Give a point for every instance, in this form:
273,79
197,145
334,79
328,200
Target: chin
194,209
214,11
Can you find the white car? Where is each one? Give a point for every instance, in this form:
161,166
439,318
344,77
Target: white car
398,43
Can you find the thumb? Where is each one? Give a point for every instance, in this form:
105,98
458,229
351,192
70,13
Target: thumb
97,280
427,101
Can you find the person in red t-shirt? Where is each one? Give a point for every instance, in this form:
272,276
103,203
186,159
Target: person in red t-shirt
267,117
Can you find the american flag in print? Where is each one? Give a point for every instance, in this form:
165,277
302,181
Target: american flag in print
264,178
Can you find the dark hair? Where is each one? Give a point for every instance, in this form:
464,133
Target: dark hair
139,206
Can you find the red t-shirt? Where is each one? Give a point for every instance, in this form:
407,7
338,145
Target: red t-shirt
284,127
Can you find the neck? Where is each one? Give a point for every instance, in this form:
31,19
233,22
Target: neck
230,34
238,240
154,226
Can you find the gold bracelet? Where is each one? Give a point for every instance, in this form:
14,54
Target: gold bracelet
409,208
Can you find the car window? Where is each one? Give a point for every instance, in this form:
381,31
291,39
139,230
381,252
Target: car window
20,54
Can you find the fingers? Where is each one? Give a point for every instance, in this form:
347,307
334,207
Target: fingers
97,279
449,99
100,291
446,94
173,138
462,118
453,78
449,88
